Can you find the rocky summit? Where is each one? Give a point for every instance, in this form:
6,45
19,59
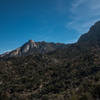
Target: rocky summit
32,47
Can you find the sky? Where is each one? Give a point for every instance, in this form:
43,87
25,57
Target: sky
45,20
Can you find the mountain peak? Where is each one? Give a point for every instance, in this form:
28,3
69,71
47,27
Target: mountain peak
92,36
31,41
95,28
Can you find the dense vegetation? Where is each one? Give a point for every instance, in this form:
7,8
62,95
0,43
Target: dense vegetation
60,75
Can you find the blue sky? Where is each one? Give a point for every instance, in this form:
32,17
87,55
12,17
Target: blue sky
45,20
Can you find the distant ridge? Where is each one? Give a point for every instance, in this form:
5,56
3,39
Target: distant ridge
32,47
89,39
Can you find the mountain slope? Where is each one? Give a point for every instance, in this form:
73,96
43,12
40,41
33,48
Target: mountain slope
67,73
